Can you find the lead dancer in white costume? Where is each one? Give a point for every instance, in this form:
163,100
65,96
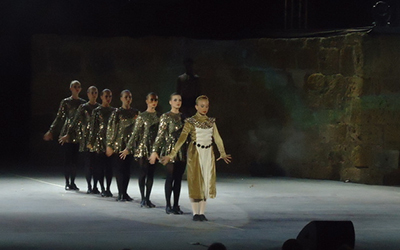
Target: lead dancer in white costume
201,174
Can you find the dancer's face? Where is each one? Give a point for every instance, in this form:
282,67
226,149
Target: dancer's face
76,89
202,106
126,98
92,94
176,101
106,97
152,101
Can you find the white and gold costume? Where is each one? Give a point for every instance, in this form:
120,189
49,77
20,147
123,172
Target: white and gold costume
201,173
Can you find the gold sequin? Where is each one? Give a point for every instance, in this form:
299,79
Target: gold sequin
120,128
81,124
98,128
205,123
65,115
168,133
144,134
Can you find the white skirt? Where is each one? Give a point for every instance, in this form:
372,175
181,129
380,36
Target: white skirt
204,138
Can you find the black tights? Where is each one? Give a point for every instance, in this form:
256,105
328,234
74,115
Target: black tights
89,163
146,170
71,154
103,168
173,182
123,172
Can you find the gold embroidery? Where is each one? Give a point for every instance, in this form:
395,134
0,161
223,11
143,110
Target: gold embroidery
208,123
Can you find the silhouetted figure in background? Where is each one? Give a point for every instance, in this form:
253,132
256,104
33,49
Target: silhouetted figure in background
188,86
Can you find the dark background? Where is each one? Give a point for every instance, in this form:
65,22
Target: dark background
199,19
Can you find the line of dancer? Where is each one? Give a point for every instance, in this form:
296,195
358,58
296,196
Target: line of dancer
109,139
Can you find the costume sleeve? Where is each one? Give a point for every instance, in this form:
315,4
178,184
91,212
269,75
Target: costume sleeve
60,118
218,141
112,129
93,127
79,115
162,130
182,139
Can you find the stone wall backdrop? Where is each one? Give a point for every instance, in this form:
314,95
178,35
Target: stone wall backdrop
324,108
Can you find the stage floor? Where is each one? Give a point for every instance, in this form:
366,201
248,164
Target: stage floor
248,213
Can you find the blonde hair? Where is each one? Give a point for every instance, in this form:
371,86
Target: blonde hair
105,90
202,97
151,94
123,91
92,87
74,82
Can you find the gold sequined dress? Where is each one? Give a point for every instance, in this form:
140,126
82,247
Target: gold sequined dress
81,124
98,128
65,115
144,134
169,130
120,127
201,173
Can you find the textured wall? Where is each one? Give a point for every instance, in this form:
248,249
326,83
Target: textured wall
313,107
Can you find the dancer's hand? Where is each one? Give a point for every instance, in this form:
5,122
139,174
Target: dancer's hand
164,160
48,136
153,157
227,159
63,139
89,146
123,154
109,151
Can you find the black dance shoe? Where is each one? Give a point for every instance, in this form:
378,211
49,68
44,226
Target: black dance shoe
108,193
149,204
177,210
169,210
74,187
127,197
89,191
120,197
196,217
203,217
103,193
95,191
68,187
143,203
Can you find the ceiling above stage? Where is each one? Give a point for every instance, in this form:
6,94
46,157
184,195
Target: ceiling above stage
192,18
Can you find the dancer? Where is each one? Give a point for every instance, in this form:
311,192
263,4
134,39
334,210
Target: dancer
66,113
201,173
97,142
80,124
188,86
119,131
171,124
143,136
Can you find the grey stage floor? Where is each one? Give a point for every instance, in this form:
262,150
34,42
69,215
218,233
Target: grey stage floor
248,213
